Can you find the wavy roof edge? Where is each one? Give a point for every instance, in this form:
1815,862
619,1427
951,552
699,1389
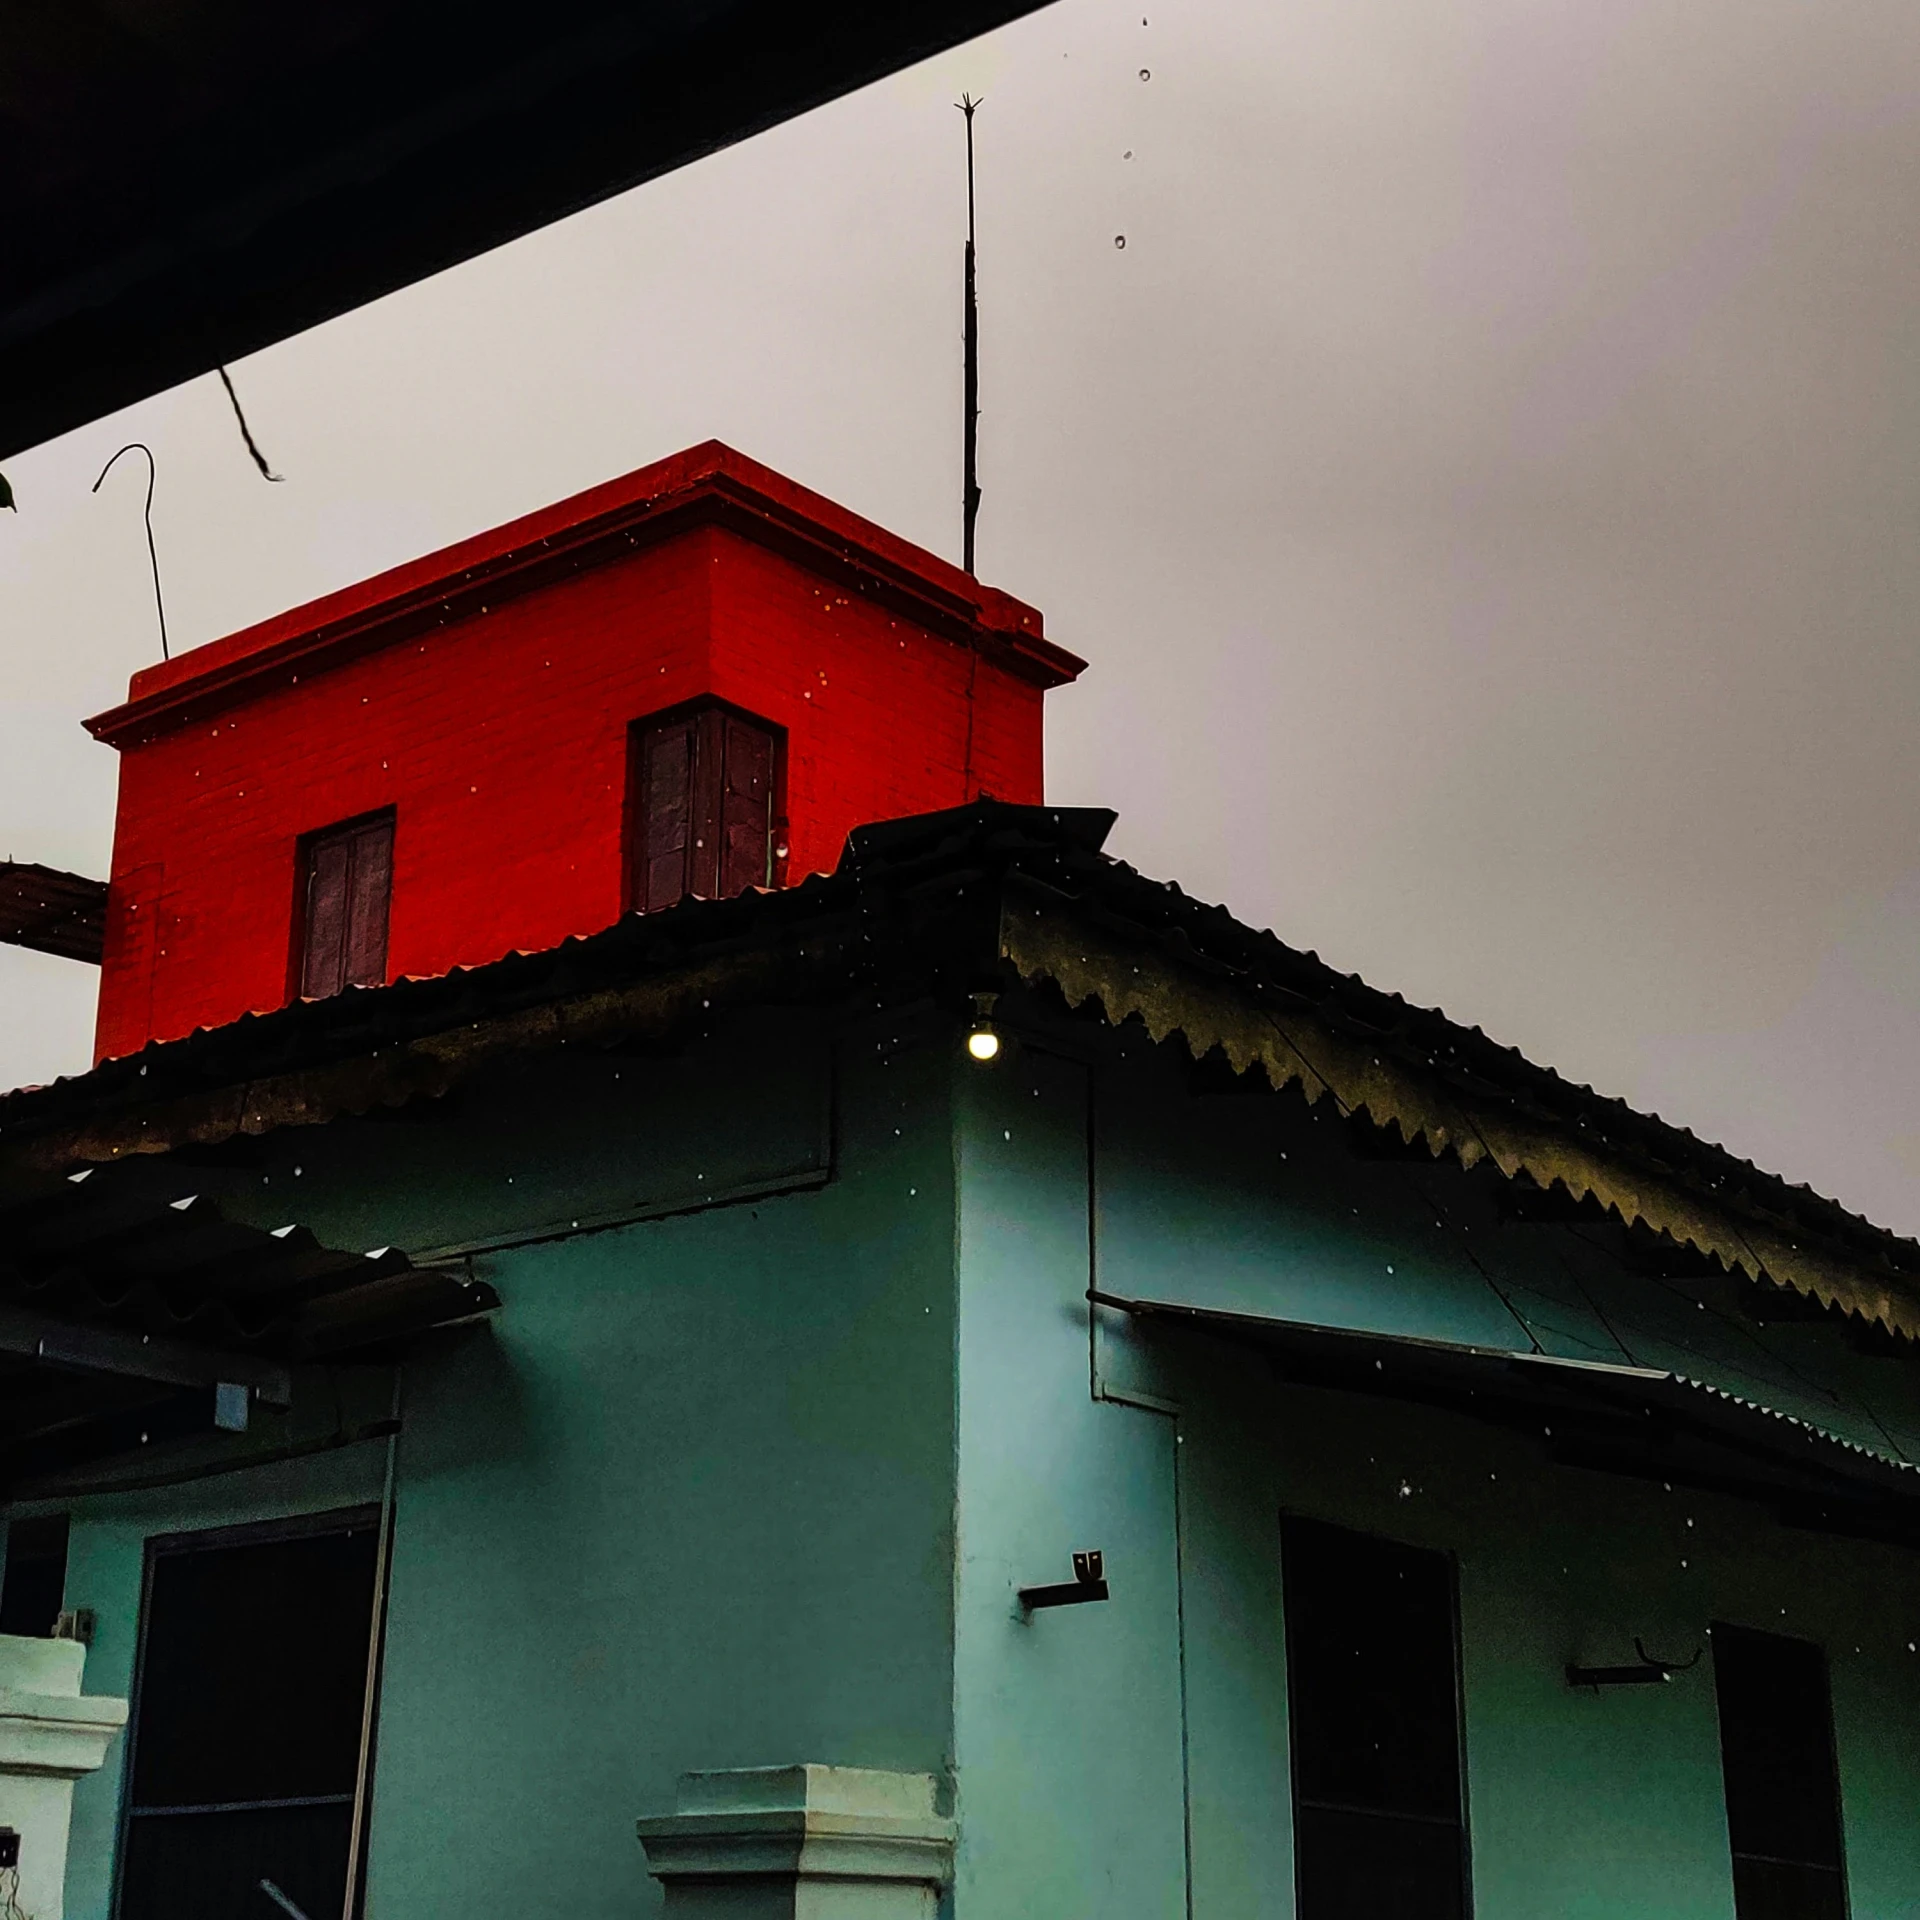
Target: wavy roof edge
1068,915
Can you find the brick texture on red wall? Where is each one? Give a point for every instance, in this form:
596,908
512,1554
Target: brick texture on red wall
487,696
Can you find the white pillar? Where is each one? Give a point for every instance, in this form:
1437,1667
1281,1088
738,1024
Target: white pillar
801,1843
50,1734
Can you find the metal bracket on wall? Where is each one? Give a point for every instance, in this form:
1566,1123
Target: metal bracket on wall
1648,1671
76,1623
1089,1582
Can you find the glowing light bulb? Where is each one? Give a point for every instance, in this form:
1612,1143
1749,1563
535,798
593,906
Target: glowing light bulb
983,1043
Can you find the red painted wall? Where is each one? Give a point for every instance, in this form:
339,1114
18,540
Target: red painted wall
486,695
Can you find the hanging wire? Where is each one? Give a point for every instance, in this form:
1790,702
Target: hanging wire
160,605
246,432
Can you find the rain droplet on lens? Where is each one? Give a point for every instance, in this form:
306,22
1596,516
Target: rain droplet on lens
1145,74
1120,240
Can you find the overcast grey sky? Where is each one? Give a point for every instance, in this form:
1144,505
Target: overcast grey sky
1486,485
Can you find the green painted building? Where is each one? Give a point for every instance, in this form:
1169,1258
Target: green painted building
970,1384
746,1345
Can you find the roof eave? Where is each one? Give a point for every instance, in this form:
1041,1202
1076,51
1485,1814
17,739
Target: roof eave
937,903
707,485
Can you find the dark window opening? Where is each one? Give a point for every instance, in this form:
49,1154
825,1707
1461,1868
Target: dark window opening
34,1588
701,810
248,1710
1374,1708
346,886
1782,1783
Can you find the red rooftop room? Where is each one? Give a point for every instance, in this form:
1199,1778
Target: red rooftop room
693,680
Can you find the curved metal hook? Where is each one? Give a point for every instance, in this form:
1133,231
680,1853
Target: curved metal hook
1666,1666
153,473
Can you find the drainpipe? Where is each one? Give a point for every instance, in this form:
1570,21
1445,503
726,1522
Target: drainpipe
1105,1395
370,1696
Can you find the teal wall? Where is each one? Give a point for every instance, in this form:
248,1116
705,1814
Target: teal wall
1070,1731
750,1473
687,1501
1067,1723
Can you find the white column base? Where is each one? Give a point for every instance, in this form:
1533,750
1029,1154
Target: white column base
50,1734
801,1843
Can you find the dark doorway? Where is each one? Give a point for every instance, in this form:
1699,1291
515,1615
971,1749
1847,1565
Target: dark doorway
33,1589
248,1709
1374,1707
1783,1787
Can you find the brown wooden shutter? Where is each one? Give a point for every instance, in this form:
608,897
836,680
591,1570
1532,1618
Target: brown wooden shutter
324,968
746,807
369,894
664,801
348,890
703,796
703,867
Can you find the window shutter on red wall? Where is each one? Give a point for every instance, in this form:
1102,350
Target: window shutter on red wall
703,864
369,894
703,799
348,889
746,807
323,969
665,801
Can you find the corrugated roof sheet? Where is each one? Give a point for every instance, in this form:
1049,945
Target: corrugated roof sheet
125,1296
1643,1421
947,903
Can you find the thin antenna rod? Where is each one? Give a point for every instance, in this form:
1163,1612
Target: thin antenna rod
160,606
246,432
970,400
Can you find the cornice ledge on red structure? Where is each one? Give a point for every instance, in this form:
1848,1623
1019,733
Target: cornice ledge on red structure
710,483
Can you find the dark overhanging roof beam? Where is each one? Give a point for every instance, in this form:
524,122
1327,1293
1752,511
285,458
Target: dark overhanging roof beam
52,912
217,186
136,1356
131,1426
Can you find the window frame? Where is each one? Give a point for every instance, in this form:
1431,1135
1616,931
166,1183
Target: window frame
1718,1631
305,846
633,836
24,1525
157,1546
1450,1559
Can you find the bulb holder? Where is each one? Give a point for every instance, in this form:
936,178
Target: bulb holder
983,1037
